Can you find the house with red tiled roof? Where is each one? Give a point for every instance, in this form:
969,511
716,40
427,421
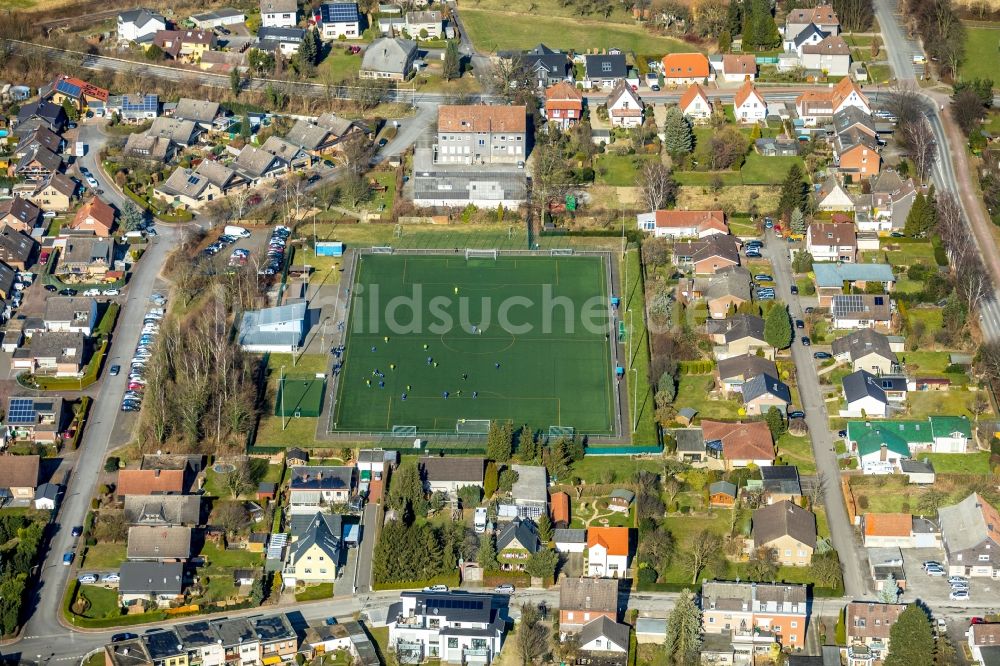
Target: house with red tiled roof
683,223
683,68
738,68
607,552
559,505
481,134
80,93
887,530
695,104
815,106
96,217
563,105
739,444
749,105
149,482
624,106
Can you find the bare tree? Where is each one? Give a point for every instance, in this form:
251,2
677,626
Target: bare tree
509,78
973,282
921,146
906,104
701,550
657,188
550,174
817,489
988,360
230,516
238,481
530,641
239,203
356,152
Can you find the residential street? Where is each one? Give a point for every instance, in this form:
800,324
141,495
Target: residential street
841,531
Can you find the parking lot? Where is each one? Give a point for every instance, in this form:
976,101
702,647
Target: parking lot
935,590
254,250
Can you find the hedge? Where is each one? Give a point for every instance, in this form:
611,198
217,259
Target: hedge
69,383
449,579
695,367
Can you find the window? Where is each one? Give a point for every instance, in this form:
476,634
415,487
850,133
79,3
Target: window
984,557
605,66
792,638
711,620
452,643
795,625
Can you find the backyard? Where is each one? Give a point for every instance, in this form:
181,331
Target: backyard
695,391
983,57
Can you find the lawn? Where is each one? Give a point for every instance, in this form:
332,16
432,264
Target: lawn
296,432
593,512
757,170
925,362
639,385
797,451
885,494
539,365
907,254
103,601
221,558
492,30
104,557
590,469
215,483
619,170
931,317
315,592
959,463
879,73
958,402
982,55
338,66
326,270
693,391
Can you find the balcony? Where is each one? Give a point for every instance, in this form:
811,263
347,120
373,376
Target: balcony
859,654
475,656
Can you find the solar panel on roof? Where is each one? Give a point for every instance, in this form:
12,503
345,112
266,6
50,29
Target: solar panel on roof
21,410
193,180
68,88
879,300
341,12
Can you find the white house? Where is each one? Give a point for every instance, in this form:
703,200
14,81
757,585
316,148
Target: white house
570,540
833,197
695,104
279,13
312,488
45,496
749,105
624,106
339,19
607,552
139,25
604,637
832,55
454,627
865,396
827,241
278,329
678,224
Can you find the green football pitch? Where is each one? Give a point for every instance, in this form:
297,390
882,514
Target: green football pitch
544,320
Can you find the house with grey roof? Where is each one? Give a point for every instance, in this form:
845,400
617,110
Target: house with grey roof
76,314
892,199
780,482
449,474
291,154
158,543
606,640
764,391
313,487
217,18
314,557
38,163
159,582
530,491
388,58
727,290
192,188
257,165
180,132
278,329
455,627
547,66
323,135
516,542
833,196
866,349
601,71
149,148
279,13
865,396
139,25
970,533
831,278
788,530
52,354
85,259
202,112
734,371
570,540
286,41
163,510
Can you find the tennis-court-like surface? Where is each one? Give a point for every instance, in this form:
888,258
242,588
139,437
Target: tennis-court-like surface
554,370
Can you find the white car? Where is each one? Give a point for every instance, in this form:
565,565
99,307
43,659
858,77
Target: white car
436,588
959,595
111,292
88,579
92,292
934,571
110,578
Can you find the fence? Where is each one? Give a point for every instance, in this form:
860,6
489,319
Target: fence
461,251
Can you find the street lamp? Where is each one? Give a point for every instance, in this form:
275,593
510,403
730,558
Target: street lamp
281,392
635,399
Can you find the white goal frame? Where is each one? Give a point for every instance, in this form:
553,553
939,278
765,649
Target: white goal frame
481,254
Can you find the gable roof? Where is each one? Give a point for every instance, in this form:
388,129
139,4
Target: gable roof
861,384
96,211
521,531
740,441
140,17
149,481
702,220
278,6
896,436
852,116
151,578
809,33
765,384
200,111
869,619
888,524
166,543
569,536
863,342
733,281
746,91
744,326
589,594
784,518
320,534
861,306
969,523
685,66
781,479
823,14
606,66
621,89
694,90
388,55
739,64
163,509
76,88
716,245
453,468
338,12
745,366
602,627
832,45
835,274
722,488
21,210
322,478
474,118
59,182
18,471
828,234
563,91
613,539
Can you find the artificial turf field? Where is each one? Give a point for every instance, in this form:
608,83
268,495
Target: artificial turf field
561,376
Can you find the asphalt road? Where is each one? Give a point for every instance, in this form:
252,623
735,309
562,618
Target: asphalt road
841,530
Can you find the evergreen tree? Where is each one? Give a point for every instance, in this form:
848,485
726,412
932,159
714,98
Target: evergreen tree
911,639
798,221
545,527
759,29
683,642
793,191
802,262
132,216
678,138
575,448
944,654
725,41
407,489
542,564
775,423
310,49
71,113
491,479
452,61
734,18
889,593
435,555
235,82
527,445
778,327
245,125
500,441
487,557
921,218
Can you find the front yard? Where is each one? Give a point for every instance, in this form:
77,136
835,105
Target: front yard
695,391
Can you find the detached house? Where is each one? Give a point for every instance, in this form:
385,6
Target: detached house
312,488
866,350
149,482
749,105
17,249
727,290
708,255
77,92
832,196
38,164
314,556
734,371
184,45
608,552
738,444
195,187
139,25
548,66
279,13
861,311
19,214
257,165
161,583
738,335
19,474
970,533
816,106
563,105
516,542
85,259
892,199
325,134
388,58
763,392
832,55
788,530
683,223
55,193
832,242
602,71
866,395
857,154
201,112
823,17
738,68
420,23
984,643
624,106
450,626
695,104
684,68
449,474
339,19
96,217
832,278
54,354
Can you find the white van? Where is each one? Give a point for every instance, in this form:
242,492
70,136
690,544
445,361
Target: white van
479,521
239,232
134,235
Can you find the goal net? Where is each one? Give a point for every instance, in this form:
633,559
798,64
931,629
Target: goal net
561,252
382,249
481,254
404,431
472,426
561,431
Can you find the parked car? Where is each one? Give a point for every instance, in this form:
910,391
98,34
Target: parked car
763,277
931,563
805,341
76,531
954,580
111,292
124,636
68,558
934,571
49,288
799,323
959,595
822,355
115,369
797,414
87,579
436,588
67,292
110,578
504,588
794,289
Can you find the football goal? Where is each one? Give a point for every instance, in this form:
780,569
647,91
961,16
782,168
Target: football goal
561,431
561,252
481,254
382,249
404,431
472,426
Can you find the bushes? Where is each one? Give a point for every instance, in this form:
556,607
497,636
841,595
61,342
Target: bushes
695,367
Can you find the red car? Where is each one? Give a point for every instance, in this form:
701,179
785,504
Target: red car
977,620
44,257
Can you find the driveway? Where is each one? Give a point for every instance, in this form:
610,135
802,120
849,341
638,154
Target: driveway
841,531
369,527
